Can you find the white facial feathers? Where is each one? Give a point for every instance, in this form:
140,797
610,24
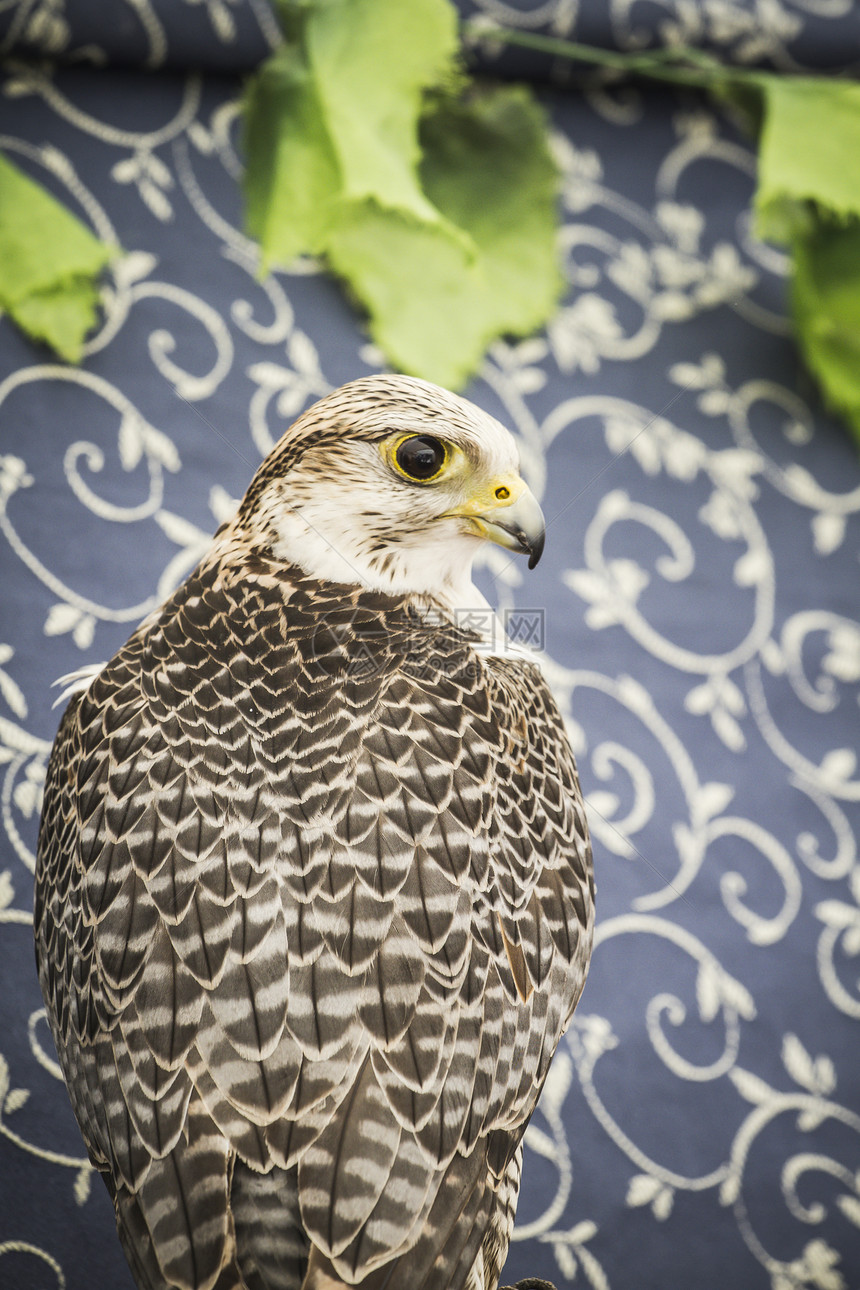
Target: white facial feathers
342,511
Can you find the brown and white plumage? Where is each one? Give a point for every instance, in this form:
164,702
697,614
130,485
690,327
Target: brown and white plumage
314,895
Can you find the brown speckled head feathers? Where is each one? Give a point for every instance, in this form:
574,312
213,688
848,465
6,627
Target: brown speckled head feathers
367,409
313,908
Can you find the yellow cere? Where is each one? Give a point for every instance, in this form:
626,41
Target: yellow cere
494,495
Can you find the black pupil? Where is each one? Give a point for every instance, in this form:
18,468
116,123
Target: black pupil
421,456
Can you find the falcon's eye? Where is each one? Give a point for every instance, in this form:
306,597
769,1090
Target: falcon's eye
420,457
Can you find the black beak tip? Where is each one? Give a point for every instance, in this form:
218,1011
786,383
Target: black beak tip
535,550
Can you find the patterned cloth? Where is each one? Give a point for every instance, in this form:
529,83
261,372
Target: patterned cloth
791,35
787,35
698,604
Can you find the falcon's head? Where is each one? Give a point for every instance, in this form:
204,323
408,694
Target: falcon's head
393,483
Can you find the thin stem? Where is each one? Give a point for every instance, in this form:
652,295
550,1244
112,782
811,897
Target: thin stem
679,66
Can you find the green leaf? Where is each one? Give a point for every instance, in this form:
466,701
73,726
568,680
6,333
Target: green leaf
332,118
443,230
825,293
807,154
809,197
438,212
433,307
49,264
409,276
371,61
292,178
488,167
61,316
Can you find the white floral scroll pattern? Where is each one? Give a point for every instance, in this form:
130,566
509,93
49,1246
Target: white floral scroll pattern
148,33
682,464
789,35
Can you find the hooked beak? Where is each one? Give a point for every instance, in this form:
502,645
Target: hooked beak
512,519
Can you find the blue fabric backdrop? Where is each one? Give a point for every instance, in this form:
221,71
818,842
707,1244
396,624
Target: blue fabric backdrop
699,597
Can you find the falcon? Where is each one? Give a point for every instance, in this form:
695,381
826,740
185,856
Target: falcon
314,895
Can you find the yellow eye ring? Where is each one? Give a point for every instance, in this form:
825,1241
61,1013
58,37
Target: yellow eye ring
420,458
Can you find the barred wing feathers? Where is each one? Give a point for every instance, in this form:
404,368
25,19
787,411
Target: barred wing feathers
313,908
